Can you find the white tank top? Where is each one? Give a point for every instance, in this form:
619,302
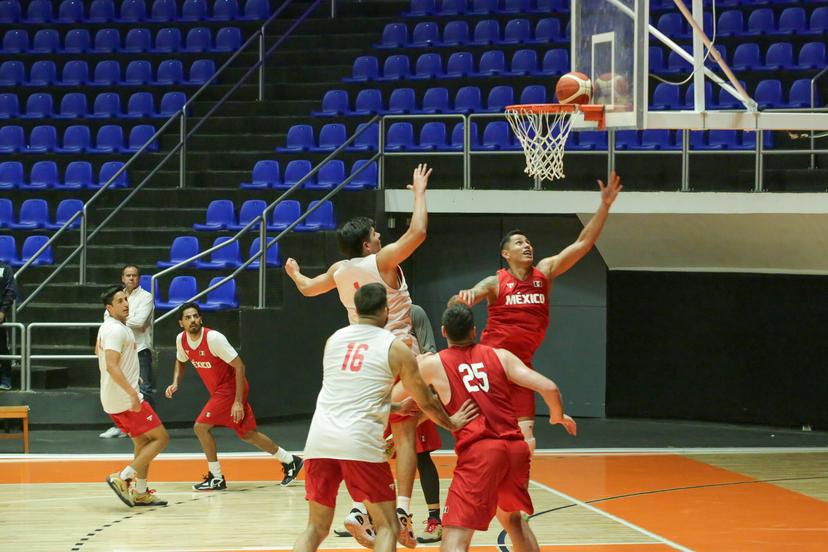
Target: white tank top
353,406
359,271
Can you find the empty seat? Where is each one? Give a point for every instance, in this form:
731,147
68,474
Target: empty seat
334,103
482,7
70,11
182,289
271,255
107,105
627,140
499,98
547,30
320,218
709,98
42,139
533,94
284,214
76,139
394,35
6,216
486,32
299,138
46,41
39,11
330,175
66,209
665,97
132,11
221,298
78,175
779,57
170,71
137,40
109,139
468,100
249,211
491,63
224,10
517,31
395,68
168,40
8,245
428,66
182,248
194,10
760,22
163,10
138,72
220,214
421,8
425,34
107,73
228,39
11,174
199,39
256,9
436,100
792,21
228,256
402,100
514,6
591,140
746,57
672,25
295,171
555,62
266,174
819,20
9,106
12,73
31,246
433,137
201,71
658,140
524,62
458,138
34,213
9,11
366,178
15,41
77,41
12,139
140,135
365,68
768,94
400,137
107,40
367,138
43,73
460,64
171,103
800,94
812,56
451,7
101,11
498,136
72,106
140,105
38,106
108,171
368,102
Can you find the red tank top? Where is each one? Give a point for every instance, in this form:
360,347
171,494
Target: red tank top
519,318
219,377
475,372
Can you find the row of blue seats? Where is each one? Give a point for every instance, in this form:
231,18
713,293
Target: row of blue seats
31,245
76,139
769,94
748,56
221,216
460,65
184,247
267,174
34,214
78,41
45,175
487,31
131,11
107,73
760,22
107,105
182,288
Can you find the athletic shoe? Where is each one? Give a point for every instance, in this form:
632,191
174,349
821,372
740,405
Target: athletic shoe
148,498
292,470
120,487
5,384
433,531
112,433
360,527
211,483
406,537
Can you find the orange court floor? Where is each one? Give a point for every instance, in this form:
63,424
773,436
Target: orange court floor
585,501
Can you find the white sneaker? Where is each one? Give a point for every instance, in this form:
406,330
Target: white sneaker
112,433
360,527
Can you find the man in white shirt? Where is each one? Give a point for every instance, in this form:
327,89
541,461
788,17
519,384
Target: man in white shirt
141,309
345,440
122,400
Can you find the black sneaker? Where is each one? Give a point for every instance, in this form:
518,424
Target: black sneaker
292,470
211,483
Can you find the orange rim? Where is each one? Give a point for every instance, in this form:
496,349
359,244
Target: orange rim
591,112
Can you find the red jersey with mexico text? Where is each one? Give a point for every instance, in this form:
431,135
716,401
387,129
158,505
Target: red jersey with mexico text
475,372
218,376
519,318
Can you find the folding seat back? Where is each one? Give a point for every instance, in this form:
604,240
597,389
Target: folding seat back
108,170
365,178
39,105
107,72
138,71
163,10
194,10
228,39
761,21
9,106
285,213
107,104
468,99
220,214
77,41
320,219
671,24
43,73
141,104
420,8
266,173
182,288
76,138
487,32
12,138
533,94
138,40
334,102
101,11
496,135
331,174
225,10
12,73
657,139
369,101
396,67
34,213
460,64
31,246
46,41
812,55
66,209
223,297
793,20
517,31
271,255
107,40
70,11
394,35
110,138
492,62
202,70
429,66
746,56
779,56
168,40
199,39
140,135
172,103
514,6
332,136
44,175
9,11
524,62
731,23
425,34
456,32
365,68
555,62
436,100
300,138
402,100
434,136
500,97
249,210
11,175
43,138
170,71
768,93
78,175
400,136
132,10
665,97
39,11
8,245
547,29
367,137
800,94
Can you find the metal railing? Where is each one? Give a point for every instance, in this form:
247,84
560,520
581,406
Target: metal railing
28,356
181,147
24,379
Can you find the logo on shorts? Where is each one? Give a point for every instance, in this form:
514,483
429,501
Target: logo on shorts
207,415
149,418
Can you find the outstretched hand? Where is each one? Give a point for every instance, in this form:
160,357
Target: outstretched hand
610,191
291,267
568,424
419,182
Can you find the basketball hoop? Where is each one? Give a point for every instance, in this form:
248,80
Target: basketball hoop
543,129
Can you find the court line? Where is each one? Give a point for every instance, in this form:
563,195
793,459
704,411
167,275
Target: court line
615,518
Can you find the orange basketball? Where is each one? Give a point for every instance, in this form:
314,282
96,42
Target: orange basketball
573,87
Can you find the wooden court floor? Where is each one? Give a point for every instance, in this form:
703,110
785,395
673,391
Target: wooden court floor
740,499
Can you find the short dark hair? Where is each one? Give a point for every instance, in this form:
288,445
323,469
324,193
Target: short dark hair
353,234
126,266
186,306
508,236
370,299
109,293
458,320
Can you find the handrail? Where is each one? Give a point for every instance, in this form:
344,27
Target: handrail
22,356
28,340
180,146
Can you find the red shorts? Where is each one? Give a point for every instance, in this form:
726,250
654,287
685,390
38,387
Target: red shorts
490,474
137,423
217,413
427,437
366,481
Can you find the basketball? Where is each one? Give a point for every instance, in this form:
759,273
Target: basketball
573,87
607,84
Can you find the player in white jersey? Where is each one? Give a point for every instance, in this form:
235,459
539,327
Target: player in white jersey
122,400
369,262
345,441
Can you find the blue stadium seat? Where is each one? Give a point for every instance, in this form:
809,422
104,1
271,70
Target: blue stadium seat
12,73
421,8
436,100
224,10
468,100
460,64
658,140
656,60
107,105
731,23
284,214
222,298
812,56
107,171
451,7
78,175
140,135
43,139
39,11
497,136
145,281
779,57
66,209
199,39
499,98
368,102
330,175
44,175
533,94
366,68
8,245
110,139
12,139
295,171
792,21
433,137
137,40
425,35
768,94
320,219
75,73
38,106
760,22
588,140
818,23
6,216
800,94
248,212
429,66
76,139
170,71
132,11
366,179
9,106
672,25
9,11
11,175
456,33
665,97
70,11
256,9
555,62
547,30
106,41
163,10
271,255
221,213
517,31
299,138
709,98
31,246
627,140
491,63
396,67
748,141
15,41
524,63
402,100
266,174
228,39
201,71
514,6
138,72
728,101
331,136
457,136
182,288
746,57
33,214
486,32
228,256
171,103
482,7
167,40
366,140
102,11
46,41
77,41
194,10
400,137
140,105
722,139
677,64
43,73
107,73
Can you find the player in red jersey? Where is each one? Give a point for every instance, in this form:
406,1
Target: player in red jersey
492,473
518,297
222,371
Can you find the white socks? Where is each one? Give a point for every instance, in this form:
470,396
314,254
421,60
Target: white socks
283,456
140,486
404,502
127,473
215,468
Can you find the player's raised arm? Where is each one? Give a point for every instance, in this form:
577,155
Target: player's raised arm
519,374
566,259
484,289
310,287
393,254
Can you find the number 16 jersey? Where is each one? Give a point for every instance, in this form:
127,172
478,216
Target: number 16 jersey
353,406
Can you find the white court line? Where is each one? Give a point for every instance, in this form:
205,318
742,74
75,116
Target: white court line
617,519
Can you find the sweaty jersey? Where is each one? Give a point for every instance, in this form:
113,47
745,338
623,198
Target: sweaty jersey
475,372
353,406
218,376
359,271
519,318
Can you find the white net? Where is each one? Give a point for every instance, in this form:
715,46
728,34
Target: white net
543,135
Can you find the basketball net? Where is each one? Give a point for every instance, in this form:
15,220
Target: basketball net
542,130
